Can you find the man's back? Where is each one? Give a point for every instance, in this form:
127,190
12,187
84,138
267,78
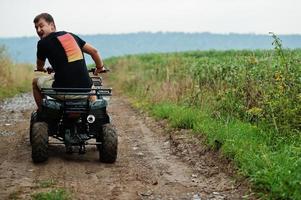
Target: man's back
64,52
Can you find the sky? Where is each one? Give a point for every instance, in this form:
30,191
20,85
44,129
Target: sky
128,16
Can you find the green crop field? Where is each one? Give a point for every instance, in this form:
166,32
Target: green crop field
247,101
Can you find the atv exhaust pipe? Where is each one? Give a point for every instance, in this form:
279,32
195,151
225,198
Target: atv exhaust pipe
91,119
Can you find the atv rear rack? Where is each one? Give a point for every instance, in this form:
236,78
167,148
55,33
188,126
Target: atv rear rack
77,91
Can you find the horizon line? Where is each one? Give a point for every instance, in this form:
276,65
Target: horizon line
163,32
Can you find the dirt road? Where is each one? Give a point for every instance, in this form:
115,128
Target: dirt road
153,162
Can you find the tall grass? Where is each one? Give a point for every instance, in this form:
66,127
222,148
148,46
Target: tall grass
253,86
14,78
248,101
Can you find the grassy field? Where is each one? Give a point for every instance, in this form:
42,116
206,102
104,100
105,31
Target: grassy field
14,78
246,103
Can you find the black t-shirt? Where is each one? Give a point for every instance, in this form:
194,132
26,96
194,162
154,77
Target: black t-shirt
64,52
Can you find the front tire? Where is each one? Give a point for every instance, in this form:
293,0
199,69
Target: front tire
39,142
108,148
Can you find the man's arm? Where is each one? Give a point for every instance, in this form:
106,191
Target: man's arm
89,49
40,65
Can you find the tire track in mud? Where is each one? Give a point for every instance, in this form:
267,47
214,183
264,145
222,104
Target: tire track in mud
149,164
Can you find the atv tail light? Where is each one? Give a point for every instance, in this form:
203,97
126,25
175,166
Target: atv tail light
91,119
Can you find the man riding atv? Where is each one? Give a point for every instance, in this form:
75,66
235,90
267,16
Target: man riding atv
71,104
64,52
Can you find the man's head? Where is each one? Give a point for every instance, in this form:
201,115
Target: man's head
44,24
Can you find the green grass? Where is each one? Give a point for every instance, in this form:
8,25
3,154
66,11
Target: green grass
272,166
179,116
54,194
46,189
6,92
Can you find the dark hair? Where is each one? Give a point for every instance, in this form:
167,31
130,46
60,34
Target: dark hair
48,18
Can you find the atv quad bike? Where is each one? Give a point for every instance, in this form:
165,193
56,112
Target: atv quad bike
73,122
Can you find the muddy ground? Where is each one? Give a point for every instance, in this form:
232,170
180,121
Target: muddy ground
154,162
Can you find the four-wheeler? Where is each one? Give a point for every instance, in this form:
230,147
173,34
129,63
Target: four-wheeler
69,115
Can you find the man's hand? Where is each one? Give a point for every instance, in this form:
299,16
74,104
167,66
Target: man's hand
49,70
99,70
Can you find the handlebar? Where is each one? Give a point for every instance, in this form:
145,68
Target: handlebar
49,70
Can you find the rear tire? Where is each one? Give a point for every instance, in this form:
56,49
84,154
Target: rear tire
108,148
39,142
33,119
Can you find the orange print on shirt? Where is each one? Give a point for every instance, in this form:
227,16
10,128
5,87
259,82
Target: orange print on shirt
71,47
